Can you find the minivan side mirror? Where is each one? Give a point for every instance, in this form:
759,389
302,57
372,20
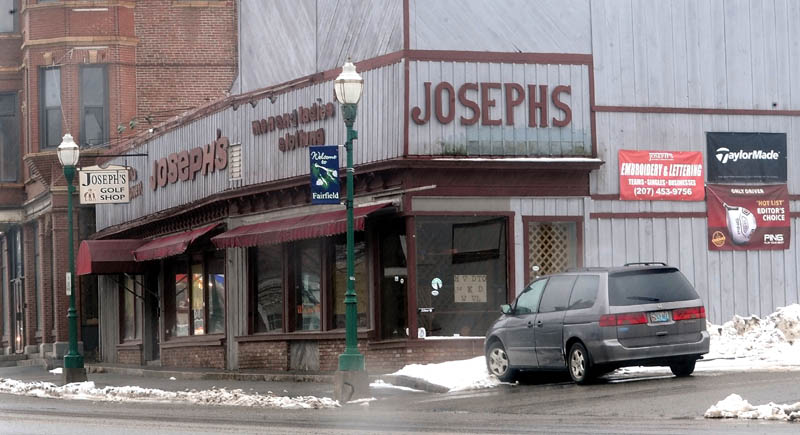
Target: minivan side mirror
505,308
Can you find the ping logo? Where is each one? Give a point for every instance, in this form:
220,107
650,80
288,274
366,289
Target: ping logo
722,154
773,239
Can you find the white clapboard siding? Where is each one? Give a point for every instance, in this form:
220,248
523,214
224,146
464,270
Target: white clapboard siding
435,138
283,40
380,137
705,53
541,26
679,132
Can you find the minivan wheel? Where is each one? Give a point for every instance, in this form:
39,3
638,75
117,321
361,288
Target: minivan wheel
579,364
683,368
498,364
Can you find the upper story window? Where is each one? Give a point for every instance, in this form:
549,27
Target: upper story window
9,138
94,116
50,107
9,11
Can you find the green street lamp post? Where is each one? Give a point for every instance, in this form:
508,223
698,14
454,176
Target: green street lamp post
68,154
348,86
351,379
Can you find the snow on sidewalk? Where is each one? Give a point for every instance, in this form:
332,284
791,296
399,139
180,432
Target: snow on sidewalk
214,397
734,406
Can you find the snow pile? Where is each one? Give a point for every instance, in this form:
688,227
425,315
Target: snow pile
469,374
770,339
734,406
215,397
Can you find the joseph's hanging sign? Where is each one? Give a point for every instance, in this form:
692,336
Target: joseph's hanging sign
107,185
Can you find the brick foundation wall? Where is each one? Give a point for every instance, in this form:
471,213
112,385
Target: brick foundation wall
383,357
129,356
269,355
194,357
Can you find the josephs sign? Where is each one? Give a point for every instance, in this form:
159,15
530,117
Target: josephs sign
185,165
479,98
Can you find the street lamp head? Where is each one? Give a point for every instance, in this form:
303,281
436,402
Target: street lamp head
348,85
68,151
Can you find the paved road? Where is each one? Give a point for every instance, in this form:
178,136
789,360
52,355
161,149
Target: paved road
655,404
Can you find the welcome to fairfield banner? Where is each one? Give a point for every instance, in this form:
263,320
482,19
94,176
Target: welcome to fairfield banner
661,175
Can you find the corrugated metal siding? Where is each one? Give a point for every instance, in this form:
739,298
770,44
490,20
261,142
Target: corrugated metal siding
108,309
679,132
284,40
541,26
711,54
435,138
379,124
743,283
235,303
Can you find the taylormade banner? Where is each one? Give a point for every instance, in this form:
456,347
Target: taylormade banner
661,175
743,218
746,157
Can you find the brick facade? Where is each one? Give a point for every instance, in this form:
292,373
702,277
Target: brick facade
194,357
172,75
380,357
162,57
129,356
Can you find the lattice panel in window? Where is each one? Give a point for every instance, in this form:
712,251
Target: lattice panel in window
549,247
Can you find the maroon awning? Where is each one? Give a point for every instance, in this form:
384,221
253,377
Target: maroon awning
99,257
296,228
168,246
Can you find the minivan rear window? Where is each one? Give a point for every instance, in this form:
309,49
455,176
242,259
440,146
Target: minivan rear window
638,287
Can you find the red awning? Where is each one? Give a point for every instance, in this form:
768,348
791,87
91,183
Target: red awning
168,246
101,257
296,228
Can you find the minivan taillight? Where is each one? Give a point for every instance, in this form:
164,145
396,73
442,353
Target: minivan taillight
689,313
623,319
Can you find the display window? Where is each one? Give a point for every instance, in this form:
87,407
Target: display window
462,271
195,294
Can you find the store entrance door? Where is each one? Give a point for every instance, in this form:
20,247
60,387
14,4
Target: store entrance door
18,343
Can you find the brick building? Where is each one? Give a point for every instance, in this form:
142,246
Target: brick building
104,71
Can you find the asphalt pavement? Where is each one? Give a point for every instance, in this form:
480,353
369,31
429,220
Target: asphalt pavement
547,403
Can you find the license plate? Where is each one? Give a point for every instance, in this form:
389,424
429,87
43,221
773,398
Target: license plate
659,316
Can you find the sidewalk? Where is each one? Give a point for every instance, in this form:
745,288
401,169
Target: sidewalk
181,379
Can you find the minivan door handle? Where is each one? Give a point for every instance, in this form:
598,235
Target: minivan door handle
530,324
539,323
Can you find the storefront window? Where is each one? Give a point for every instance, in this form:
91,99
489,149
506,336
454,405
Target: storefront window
199,304
216,295
307,285
268,295
394,279
461,273
340,280
180,327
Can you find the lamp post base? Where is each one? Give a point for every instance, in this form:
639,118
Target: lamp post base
71,375
350,385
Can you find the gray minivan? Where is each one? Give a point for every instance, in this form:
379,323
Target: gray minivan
595,320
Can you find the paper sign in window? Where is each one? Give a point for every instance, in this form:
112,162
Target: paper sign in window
469,288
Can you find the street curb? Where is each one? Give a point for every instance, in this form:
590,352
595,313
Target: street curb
415,383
